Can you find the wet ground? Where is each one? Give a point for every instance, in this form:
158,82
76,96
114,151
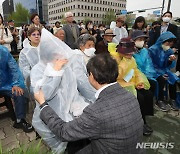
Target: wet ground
166,126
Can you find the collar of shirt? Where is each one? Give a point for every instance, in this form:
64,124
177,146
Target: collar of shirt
164,28
102,88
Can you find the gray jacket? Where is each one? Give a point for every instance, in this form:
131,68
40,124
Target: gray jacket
113,123
69,38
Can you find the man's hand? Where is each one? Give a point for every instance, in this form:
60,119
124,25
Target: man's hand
174,49
172,57
17,90
2,42
39,96
165,76
59,63
140,86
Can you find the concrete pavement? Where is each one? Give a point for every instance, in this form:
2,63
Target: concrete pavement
166,126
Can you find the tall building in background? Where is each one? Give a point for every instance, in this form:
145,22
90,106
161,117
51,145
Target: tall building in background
82,9
35,6
8,8
45,10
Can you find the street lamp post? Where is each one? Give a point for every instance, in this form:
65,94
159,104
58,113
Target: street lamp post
169,5
162,7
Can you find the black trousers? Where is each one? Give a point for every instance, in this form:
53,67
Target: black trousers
145,99
178,62
13,46
153,85
172,89
73,147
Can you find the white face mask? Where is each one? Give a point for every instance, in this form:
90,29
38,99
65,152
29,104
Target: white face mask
89,52
165,48
139,44
166,19
83,26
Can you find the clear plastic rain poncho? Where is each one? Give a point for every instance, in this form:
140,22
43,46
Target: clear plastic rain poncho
59,87
28,57
78,65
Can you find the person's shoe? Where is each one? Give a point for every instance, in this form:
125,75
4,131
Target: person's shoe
26,127
162,106
177,73
148,128
173,106
146,132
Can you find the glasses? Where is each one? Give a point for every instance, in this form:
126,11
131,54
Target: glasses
35,35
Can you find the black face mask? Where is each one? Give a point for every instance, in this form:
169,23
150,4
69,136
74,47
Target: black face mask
101,31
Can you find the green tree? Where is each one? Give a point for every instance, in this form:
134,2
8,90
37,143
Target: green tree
86,19
129,20
109,16
63,20
21,16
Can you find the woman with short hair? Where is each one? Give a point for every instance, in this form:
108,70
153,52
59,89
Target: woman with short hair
29,54
139,24
36,21
86,44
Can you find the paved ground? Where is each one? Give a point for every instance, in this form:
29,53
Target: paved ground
11,138
166,130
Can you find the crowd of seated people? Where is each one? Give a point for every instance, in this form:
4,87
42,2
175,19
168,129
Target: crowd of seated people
85,77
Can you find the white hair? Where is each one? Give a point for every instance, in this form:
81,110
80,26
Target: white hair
67,14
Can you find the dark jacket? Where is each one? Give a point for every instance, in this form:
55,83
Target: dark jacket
113,123
69,38
171,28
178,60
101,47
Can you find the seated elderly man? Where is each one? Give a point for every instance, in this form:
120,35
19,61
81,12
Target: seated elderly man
113,123
102,46
12,85
61,86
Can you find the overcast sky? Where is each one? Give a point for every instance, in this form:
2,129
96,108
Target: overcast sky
145,4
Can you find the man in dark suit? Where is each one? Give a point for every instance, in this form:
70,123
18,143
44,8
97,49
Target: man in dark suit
178,61
113,123
71,31
165,26
102,46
